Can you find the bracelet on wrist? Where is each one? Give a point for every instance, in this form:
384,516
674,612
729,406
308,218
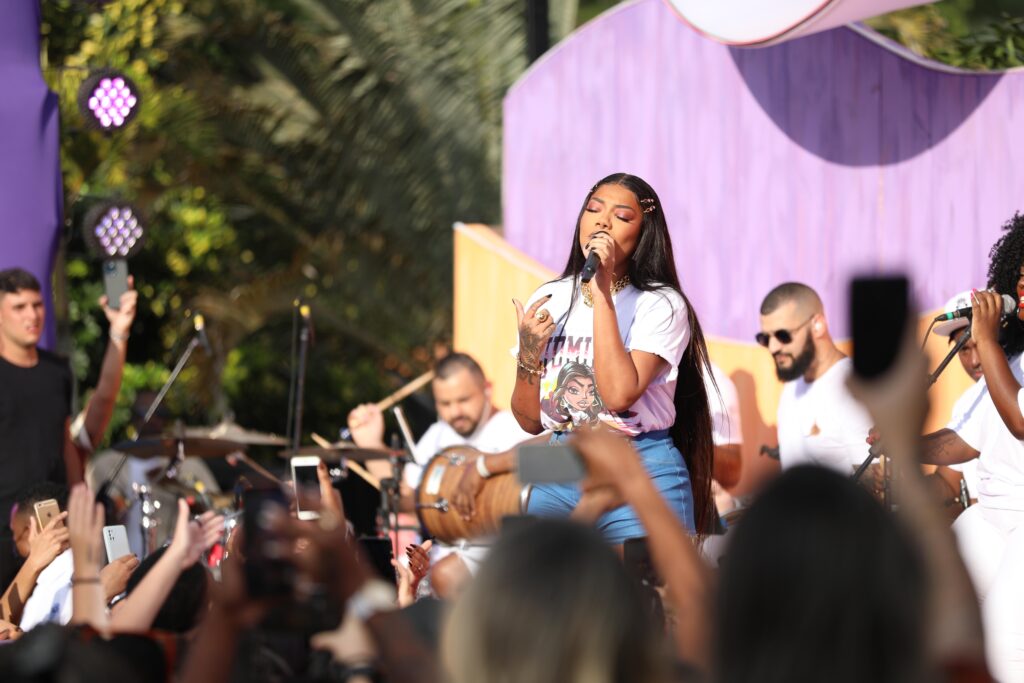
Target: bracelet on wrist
76,581
481,467
118,337
532,369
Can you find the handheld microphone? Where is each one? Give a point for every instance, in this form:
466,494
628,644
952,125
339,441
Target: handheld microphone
593,261
1009,308
199,322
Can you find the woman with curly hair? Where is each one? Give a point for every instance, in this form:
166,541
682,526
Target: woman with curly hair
991,534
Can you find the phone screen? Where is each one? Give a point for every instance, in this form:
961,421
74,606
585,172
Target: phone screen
558,464
307,486
879,307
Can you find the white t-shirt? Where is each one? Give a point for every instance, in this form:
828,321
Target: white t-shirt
51,598
655,322
820,423
725,413
498,433
1001,463
962,410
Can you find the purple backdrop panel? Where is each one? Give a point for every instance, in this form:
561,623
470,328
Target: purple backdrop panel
30,181
811,160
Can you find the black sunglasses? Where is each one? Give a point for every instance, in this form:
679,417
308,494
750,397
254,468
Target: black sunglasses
784,336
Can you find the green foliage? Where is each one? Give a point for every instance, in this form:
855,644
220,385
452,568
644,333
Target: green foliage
318,149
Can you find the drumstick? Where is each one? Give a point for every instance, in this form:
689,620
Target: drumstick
258,467
410,388
352,465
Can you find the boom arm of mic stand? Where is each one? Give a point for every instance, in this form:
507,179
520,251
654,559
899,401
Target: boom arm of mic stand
104,489
964,338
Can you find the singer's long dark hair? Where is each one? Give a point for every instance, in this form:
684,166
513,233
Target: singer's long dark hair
652,267
1007,257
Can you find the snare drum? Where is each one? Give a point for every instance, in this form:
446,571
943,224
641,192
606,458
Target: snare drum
501,495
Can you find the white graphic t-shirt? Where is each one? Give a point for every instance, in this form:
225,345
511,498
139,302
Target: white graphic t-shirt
655,322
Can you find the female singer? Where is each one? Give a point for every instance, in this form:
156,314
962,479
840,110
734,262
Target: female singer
631,337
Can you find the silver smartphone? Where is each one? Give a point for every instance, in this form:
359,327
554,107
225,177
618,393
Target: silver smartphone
559,464
307,484
115,540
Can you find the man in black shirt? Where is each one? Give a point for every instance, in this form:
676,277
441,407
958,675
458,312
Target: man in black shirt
35,405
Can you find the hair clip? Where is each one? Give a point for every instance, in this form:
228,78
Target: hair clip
649,204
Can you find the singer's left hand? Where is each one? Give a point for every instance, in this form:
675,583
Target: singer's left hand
121,319
988,309
602,244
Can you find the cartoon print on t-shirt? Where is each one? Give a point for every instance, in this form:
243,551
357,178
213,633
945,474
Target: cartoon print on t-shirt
574,401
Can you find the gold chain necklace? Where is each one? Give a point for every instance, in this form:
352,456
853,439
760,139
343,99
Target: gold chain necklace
617,286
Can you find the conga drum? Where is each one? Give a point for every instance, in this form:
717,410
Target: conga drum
502,495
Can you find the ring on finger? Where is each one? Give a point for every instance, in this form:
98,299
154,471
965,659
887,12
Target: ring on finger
542,316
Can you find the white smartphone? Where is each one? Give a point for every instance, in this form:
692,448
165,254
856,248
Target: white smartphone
115,540
307,484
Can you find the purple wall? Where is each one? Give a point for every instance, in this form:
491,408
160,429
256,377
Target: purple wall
811,160
31,195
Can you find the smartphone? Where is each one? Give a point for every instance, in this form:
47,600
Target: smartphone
559,464
307,485
380,553
45,511
115,281
115,540
267,571
636,558
879,314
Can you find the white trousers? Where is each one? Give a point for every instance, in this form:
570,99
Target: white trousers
992,546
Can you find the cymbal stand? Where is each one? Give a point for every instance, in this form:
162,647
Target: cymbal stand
102,495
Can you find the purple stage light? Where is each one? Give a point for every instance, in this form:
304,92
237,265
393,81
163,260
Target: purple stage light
108,100
114,230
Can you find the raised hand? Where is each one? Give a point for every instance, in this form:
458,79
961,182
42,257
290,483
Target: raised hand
366,424
987,311
121,319
85,530
535,326
46,544
115,575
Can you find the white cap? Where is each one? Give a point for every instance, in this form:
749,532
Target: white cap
948,327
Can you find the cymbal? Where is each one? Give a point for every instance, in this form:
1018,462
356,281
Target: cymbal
231,431
337,452
166,446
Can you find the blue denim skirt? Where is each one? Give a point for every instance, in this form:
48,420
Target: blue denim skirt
668,472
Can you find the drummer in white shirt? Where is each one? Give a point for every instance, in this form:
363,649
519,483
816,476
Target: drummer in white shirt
819,422
462,396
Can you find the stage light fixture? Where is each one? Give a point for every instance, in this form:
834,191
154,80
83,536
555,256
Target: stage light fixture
114,230
108,100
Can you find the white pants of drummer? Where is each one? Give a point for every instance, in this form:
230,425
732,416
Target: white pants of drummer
992,546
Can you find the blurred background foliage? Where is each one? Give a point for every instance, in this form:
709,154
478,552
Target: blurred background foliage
317,149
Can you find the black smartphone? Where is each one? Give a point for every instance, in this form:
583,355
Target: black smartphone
558,464
115,281
636,557
380,553
879,315
267,569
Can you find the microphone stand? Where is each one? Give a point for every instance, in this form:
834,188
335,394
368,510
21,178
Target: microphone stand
300,380
102,495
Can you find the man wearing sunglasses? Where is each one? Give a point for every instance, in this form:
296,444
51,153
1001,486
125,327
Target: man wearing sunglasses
818,421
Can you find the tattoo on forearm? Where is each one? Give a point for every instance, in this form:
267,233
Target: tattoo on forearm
523,417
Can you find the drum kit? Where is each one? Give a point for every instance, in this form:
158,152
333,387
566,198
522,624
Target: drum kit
502,495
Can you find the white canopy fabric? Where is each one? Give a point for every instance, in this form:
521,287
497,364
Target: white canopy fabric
758,23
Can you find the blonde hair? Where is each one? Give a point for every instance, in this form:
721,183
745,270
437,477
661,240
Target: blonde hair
552,604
